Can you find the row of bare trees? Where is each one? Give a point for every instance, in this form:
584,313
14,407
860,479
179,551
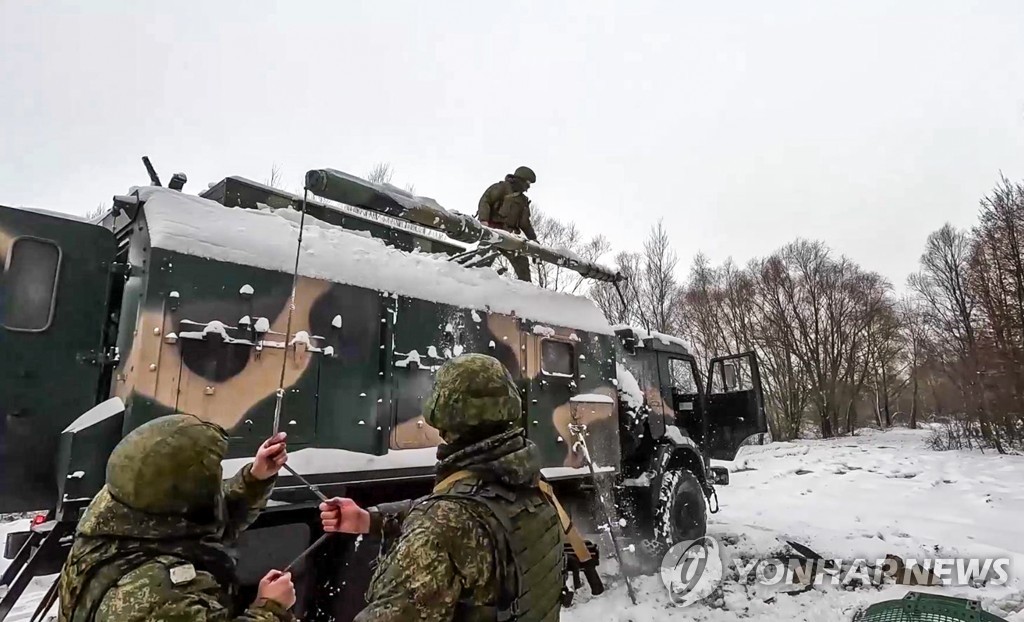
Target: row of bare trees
839,348
969,313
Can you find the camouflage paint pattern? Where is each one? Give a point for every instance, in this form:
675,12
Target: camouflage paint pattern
360,386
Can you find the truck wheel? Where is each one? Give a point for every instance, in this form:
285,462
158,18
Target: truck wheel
680,510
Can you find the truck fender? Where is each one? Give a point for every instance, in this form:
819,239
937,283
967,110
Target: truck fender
677,452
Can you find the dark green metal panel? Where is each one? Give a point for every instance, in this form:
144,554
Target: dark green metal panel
353,409
423,331
48,377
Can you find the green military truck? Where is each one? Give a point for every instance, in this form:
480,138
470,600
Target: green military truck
182,303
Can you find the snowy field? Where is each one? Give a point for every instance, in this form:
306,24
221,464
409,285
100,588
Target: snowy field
864,497
867,496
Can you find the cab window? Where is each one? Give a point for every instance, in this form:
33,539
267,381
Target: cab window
732,375
681,375
30,285
557,358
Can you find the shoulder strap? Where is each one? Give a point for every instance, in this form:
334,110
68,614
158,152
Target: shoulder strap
579,545
446,484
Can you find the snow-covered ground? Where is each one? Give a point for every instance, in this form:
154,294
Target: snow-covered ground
875,494
863,497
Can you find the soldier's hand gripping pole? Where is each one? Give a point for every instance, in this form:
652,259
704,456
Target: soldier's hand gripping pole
578,430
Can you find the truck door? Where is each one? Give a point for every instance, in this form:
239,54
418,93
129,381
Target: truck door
53,312
735,404
680,387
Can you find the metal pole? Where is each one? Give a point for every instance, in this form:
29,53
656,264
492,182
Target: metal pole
577,430
291,312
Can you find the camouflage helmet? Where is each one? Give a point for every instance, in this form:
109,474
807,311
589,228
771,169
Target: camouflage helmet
473,393
525,172
170,465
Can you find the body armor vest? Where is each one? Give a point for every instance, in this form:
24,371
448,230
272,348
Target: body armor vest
529,550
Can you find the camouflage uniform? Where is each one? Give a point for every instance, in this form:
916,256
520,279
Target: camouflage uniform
153,542
489,546
504,205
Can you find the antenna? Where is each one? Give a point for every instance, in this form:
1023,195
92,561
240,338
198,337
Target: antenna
291,312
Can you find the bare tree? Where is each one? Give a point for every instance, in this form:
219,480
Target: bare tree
620,302
650,287
657,286
97,212
381,173
276,176
566,238
950,314
913,334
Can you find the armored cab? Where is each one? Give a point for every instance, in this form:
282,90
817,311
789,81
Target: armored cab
209,304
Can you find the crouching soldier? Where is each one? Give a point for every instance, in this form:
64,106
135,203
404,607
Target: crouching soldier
486,544
152,544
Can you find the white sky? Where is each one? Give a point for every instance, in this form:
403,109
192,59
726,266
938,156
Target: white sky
743,124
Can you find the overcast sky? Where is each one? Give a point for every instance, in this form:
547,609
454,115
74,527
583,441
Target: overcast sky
743,124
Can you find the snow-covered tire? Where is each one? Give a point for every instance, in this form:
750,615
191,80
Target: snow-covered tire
680,510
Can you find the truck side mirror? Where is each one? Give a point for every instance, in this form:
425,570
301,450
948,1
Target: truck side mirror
729,376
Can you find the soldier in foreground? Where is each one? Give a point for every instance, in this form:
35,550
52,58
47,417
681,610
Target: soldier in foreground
153,543
463,552
504,205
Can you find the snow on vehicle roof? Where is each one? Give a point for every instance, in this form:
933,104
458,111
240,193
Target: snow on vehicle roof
653,334
192,225
62,215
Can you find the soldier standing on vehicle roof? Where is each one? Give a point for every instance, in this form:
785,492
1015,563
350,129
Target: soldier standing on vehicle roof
463,552
152,544
504,205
